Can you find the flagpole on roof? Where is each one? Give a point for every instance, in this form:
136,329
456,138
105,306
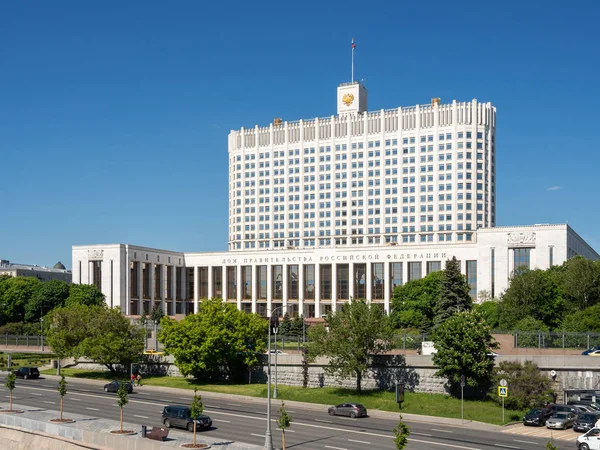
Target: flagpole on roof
353,47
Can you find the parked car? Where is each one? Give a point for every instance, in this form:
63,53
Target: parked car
593,353
589,403
114,386
27,372
180,417
585,422
582,409
348,409
561,420
537,416
589,440
589,350
563,408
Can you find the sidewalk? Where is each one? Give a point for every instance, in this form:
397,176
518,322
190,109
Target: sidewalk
310,406
93,432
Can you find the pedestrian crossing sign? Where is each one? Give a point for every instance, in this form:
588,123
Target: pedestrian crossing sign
502,391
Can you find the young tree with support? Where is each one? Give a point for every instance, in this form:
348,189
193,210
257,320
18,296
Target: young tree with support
401,433
284,422
62,391
10,385
196,409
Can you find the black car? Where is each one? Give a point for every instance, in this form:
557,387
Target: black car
27,372
537,416
585,422
180,417
114,386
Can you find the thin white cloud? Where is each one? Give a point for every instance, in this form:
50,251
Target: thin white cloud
554,188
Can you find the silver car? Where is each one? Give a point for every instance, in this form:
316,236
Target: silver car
348,409
561,420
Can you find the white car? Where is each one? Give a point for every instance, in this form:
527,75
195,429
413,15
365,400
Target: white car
589,440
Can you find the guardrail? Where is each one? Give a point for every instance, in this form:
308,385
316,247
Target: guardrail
14,340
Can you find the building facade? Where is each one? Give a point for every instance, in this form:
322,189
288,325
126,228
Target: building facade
322,211
42,273
313,281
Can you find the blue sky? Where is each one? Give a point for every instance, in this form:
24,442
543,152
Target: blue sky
114,116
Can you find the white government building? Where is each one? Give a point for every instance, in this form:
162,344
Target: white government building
349,206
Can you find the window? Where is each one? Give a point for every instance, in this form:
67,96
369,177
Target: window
261,282
521,259
395,276
550,256
217,282
360,281
414,271
277,274
472,278
309,282
433,266
325,282
231,273
202,282
377,292
293,279
343,285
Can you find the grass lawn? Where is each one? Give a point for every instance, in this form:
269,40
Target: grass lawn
415,403
22,359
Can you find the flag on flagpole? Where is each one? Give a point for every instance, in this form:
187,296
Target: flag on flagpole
353,44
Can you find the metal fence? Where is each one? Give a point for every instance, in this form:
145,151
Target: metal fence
405,341
557,340
14,340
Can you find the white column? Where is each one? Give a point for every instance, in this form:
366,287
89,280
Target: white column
269,287
196,289
350,282
284,288
369,281
317,290
254,289
211,294
387,286
140,278
224,283
333,286
238,278
301,276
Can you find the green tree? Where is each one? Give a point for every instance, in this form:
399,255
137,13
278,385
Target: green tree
532,293
349,337
10,385
48,295
84,294
401,433
489,312
111,339
454,293
99,333
283,422
285,325
413,303
528,387
62,391
122,400
196,409
219,337
68,327
17,292
463,343
583,321
297,326
580,280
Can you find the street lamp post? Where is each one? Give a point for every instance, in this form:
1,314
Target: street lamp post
275,388
268,435
42,331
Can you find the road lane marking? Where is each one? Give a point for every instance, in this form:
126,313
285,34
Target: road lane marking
35,393
346,430
257,435
143,393
141,417
52,403
75,399
336,448
421,434
442,431
360,442
324,421
525,442
92,409
221,420
234,404
184,398
505,446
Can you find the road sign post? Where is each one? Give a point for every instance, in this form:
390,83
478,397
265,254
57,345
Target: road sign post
462,399
503,392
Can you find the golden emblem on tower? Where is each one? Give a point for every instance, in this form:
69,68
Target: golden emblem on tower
348,99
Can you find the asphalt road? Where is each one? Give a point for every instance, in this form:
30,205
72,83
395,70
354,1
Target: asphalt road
245,420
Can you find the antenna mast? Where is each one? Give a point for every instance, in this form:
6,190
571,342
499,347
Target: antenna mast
353,47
